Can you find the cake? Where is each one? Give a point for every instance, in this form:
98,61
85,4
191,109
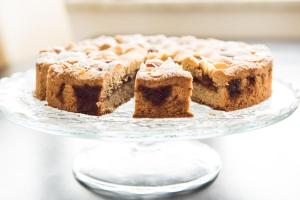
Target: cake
162,73
162,89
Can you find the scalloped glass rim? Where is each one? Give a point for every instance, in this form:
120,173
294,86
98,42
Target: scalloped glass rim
19,105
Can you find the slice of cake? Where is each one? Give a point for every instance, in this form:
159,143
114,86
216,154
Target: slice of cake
162,89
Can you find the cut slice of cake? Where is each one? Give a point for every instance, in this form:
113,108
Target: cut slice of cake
162,89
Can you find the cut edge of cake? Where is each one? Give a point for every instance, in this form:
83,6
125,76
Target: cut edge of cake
93,87
162,90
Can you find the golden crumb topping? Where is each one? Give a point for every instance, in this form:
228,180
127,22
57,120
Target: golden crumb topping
107,53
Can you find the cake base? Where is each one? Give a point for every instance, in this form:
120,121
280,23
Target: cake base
146,170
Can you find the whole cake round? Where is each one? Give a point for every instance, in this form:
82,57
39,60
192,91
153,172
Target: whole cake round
162,73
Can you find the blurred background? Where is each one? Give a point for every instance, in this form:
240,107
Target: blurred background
27,26
260,165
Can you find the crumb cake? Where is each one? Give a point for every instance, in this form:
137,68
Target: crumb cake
162,89
96,76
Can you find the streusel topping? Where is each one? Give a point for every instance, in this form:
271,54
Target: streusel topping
105,53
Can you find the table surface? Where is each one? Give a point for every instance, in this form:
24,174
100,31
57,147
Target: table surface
262,164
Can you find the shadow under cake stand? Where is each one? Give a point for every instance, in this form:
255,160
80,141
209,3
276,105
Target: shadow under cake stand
139,158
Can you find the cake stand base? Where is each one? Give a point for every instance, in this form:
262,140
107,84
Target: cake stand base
146,169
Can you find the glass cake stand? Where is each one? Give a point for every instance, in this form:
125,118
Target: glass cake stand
140,158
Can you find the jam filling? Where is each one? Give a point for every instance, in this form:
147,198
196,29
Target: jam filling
59,94
129,78
206,81
251,79
156,96
87,98
234,88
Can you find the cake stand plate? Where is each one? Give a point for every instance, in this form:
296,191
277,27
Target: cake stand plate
141,158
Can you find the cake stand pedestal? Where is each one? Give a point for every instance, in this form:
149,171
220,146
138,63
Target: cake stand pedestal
130,169
141,158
